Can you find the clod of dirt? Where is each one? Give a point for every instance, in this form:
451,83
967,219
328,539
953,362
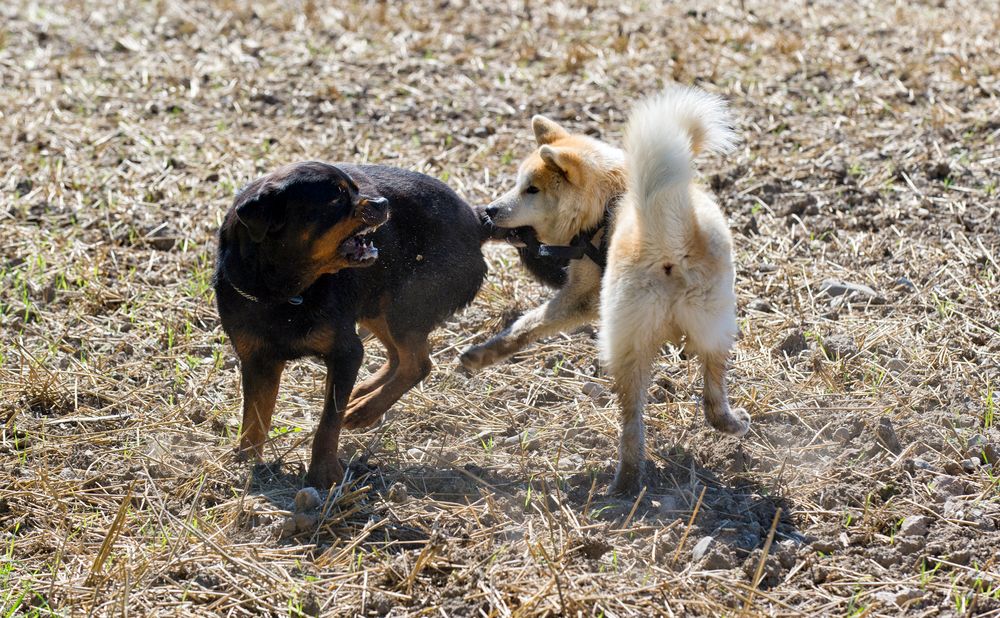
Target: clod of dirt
900,598
915,525
593,547
947,487
712,555
991,454
967,511
307,499
162,238
304,522
770,576
793,344
982,450
398,493
885,556
939,170
839,346
886,435
908,545
803,206
828,546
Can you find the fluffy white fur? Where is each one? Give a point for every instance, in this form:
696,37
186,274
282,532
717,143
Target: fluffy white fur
670,272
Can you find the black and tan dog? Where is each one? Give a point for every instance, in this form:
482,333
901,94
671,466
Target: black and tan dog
311,250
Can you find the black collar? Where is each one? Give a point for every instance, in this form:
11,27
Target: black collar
294,300
582,245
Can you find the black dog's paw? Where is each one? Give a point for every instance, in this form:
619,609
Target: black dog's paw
628,481
325,473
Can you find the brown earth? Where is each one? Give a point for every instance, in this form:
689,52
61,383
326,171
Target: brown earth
869,157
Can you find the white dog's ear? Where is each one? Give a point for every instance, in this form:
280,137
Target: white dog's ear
547,131
564,160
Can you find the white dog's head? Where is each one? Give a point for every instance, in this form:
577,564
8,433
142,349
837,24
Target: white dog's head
562,186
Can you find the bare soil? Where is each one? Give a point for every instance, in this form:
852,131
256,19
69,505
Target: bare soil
864,207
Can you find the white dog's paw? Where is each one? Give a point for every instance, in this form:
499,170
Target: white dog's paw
476,357
740,422
730,421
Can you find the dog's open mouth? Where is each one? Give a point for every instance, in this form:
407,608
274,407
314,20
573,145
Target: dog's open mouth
359,249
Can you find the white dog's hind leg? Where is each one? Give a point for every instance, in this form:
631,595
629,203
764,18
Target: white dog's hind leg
733,421
631,324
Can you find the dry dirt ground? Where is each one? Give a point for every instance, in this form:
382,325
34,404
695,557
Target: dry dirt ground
870,156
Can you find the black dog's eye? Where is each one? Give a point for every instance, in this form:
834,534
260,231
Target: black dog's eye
531,189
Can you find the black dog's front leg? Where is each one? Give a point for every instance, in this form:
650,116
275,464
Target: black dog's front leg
342,365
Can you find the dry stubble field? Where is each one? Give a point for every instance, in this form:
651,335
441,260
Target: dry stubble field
870,151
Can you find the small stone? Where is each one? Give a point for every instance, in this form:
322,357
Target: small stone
914,525
970,465
701,547
903,284
593,390
397,493
835,287
528,440
900,598
886,435
712,555
896,366
761,306
307,499
416,454
954,468
991,454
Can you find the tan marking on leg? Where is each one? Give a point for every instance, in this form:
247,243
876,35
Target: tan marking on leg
380,329
414,365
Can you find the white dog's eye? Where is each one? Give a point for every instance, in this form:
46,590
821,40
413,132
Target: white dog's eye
531,189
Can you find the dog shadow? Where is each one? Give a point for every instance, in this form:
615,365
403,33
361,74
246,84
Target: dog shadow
683,503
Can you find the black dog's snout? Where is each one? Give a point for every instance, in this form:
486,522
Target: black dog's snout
372,210
491,211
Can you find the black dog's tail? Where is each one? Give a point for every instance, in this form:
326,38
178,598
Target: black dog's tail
487,231
546,270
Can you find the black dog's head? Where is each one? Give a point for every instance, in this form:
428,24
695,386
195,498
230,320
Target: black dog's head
305,220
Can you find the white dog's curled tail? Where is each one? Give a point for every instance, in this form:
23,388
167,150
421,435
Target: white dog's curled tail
665,132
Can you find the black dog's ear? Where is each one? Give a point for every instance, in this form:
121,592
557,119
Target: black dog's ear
259,209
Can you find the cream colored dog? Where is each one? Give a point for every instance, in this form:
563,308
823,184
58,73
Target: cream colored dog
669,274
